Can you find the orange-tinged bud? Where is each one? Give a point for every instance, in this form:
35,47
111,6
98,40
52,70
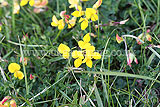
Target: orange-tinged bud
119,39
13,103
148,36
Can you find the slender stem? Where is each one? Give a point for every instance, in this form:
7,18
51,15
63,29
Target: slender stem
57,35
24,69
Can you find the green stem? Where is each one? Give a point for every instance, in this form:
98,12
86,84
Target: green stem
24,69
57,35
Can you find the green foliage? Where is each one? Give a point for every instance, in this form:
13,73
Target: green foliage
110,82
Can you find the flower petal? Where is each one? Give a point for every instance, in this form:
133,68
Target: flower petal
84,24
89,63
31,2
13,67
55,21
75,54
66,55
63,48
23,2
77,62
61,24
96,55
81,44
86,38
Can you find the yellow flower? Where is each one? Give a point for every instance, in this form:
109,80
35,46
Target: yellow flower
73,3
78,12
91,14
24,2
64,50
72,22
87,54
97,4
85,43
14,68
16,8
84,23
59,23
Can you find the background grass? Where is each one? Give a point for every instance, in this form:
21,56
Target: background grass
110,83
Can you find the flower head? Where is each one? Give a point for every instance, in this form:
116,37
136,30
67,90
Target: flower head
64,50
84,23
78,12
87,53
14,68
144,36
131,58
91,14
60,23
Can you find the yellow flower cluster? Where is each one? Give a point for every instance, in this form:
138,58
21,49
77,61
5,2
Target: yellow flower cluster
15,68
85,55
90,14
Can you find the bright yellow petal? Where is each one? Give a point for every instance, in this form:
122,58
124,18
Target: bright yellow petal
94,17
86,45
75,54
31,2
63,48
55,21
23,2
66,55
80,54
20,75
77,62
90,12
90,48
13,67
81,44
76,14
89,63
96,55
84,24
81,19
61,24
16,74
86,38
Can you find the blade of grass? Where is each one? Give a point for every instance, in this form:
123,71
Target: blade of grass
113,73
24,68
